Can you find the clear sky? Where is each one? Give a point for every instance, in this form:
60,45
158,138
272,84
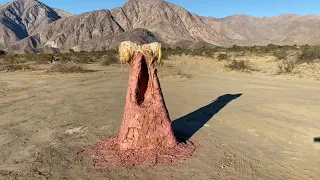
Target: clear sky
214,8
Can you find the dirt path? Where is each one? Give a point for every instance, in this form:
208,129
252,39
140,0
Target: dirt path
248,127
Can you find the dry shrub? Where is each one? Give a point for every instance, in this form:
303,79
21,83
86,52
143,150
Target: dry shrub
222,56
240,54
239,65
68,68
280,55
286,66
309,54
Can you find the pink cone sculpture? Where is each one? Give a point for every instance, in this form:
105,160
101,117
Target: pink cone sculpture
146,122
146,134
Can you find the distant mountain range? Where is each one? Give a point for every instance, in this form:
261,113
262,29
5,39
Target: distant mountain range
31,26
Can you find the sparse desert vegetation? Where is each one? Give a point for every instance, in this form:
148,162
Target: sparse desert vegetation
72,62
301,61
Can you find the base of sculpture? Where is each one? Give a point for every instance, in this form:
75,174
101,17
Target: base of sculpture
108,155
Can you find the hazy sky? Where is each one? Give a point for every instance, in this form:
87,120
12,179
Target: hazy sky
214,8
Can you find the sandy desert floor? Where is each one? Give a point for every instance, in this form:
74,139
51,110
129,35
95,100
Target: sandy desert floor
247,126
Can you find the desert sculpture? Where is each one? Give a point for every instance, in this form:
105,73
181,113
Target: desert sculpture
146,134
146,122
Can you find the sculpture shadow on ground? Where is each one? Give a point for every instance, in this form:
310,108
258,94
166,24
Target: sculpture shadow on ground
317,139
185,127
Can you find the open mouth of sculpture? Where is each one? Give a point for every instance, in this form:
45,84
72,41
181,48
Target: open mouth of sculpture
142,86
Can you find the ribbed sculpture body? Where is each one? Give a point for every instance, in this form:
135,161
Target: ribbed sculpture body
146,122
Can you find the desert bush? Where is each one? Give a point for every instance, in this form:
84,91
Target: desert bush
109,59
193,52
280,54
80,57
205,51
236,48
11,67
176,51
23,58
209,53
40,58
68,68
165,54
222,56
309,54
13,59
84,57
240,54
239,65
271,48
286,66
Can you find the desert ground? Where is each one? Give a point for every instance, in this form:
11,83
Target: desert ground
256,125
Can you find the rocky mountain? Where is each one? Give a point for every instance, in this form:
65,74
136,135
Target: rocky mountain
21,18
170,22
31,26
285,29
